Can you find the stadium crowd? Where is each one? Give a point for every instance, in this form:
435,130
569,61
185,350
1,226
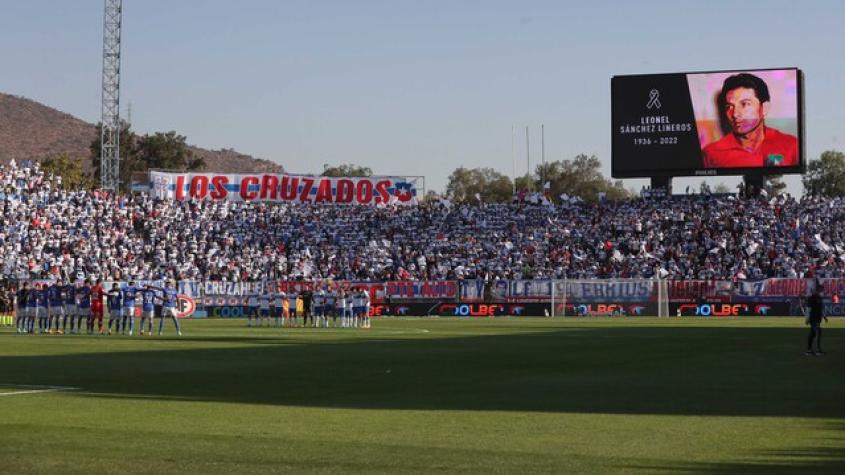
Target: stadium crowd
46,231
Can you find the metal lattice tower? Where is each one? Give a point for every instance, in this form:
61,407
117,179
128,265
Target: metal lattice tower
110,138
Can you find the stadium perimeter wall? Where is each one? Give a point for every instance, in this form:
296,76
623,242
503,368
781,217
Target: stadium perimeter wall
466,298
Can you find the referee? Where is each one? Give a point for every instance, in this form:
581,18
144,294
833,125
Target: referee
814,319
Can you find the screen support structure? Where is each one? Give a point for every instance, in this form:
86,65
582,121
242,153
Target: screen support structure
753,184
662,182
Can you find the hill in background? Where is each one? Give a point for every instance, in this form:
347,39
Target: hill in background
32,131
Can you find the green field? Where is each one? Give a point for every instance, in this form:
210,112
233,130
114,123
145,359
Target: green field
429,395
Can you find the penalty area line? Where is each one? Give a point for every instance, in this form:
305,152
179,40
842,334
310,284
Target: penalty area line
21,389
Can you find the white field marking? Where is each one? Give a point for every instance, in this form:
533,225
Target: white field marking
32,389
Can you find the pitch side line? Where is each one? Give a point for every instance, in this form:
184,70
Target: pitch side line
33,389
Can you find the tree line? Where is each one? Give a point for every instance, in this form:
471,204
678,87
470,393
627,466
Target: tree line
579,177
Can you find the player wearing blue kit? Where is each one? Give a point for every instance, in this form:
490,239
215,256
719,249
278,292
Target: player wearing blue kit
22,307
70,307
29,324
115,302
252,303
56,306
147,309
83,308
291,316
264,308
40,297
129,294
169,295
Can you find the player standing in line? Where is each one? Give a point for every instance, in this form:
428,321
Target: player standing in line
279,300
29,311
41,307
97,295
148,296
331,301
357,304
252,303
83,307
292,298
70,307
56,306
303,306
350,304
328,306
316,306
340,308
22,307
168,307
130,293
367,301
362,309
115,300
264,308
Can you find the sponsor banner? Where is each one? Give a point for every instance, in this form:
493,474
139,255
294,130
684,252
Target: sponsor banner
721,309
185,306
413,309
381,190
592,309
832,310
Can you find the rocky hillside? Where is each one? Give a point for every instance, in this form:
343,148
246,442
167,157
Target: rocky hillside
31,131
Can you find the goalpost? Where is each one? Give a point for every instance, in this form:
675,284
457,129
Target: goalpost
609,297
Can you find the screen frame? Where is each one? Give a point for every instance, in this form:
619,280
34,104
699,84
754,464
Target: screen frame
680,172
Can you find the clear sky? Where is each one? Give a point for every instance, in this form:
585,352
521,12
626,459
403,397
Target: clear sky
416,88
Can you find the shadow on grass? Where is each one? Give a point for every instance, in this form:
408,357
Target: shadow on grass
829,459
631,370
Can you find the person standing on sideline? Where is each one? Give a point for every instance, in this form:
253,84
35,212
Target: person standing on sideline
814,319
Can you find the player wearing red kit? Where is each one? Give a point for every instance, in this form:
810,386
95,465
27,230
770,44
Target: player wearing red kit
97,294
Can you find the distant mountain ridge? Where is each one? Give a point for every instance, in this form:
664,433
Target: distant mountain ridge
30,130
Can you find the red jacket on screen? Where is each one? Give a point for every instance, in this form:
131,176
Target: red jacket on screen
777,150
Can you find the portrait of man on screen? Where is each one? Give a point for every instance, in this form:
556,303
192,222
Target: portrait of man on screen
744,102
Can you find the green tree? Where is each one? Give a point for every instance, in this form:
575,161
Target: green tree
164,150
167,150
524,183
826,175
492,186
71,170
580,177
346,170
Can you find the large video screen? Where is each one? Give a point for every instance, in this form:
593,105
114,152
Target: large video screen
708,123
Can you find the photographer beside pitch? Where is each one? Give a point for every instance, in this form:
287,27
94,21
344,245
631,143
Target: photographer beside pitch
814,320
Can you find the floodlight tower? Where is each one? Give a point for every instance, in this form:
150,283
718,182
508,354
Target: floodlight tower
110,137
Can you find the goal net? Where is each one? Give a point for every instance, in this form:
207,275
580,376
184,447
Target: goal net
614,297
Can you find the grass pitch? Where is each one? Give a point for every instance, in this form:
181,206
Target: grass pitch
425,395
